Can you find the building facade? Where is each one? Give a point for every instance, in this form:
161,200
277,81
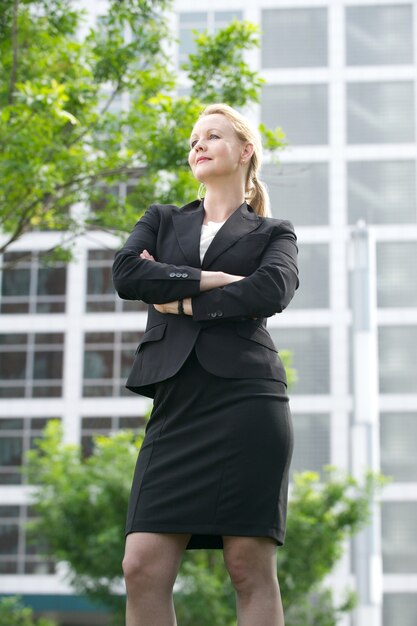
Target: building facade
341,80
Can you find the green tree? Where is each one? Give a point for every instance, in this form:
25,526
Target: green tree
14,613
81,504
65,138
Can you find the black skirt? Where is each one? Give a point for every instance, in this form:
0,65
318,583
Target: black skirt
215,459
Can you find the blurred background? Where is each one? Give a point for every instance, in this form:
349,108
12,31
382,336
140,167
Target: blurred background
340,80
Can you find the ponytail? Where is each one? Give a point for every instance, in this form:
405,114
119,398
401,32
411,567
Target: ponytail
257,196
256,191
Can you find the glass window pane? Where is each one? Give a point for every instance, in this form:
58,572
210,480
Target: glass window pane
222,18
398,434
98,364
13,365
313,262
96,423
9,511
193,17
11,425
311,442
16,282
10,339
294,37
399,547
132,423
301,111
10,476
101,255
101,339
52,281
397,359
131,338
299,192
37,424
49,338
47,365
9,537
11,449
310,348
99,280
379,35
380,112
189,22
396,275
52,390
382,192
400,608
100,304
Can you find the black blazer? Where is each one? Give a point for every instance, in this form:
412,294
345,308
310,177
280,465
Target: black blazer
228,325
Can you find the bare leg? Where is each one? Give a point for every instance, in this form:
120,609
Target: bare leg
150,567
252,566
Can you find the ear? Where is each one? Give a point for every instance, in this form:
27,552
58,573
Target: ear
247,152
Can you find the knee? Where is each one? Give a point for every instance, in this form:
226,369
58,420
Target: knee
251,564
140,572
241,573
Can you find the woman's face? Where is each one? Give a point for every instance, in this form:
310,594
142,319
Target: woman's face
215,149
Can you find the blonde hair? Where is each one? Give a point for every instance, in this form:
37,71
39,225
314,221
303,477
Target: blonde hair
255,191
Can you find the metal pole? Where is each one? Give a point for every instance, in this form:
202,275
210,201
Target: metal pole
364,442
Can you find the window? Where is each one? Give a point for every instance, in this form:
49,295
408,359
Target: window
299,192
17,435
311,442
380,112
397,359
400,608
108,358
200,21
31,285
310,348
399,548
294,37
31,365
313,263
301,111
379,35
382,192
396,283
398,434
20,551
101,295
92,426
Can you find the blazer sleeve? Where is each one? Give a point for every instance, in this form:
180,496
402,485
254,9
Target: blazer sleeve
265,292
151,281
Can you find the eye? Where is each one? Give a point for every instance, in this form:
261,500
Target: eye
192,144
214,136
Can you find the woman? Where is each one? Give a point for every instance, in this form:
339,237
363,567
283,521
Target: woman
213,468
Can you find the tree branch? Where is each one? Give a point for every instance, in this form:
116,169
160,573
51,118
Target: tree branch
22,224
13,75
103,110
49,199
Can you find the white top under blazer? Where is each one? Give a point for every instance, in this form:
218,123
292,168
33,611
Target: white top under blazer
208,232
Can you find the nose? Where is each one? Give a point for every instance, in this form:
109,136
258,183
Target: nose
199,146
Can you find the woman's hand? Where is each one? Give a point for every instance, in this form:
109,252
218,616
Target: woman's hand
172,307
145,255
210,280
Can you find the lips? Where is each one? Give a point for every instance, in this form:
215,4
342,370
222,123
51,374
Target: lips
202,160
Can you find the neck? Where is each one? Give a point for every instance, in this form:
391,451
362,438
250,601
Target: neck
221,202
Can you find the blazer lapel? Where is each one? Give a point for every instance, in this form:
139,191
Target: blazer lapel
187,225
240,223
